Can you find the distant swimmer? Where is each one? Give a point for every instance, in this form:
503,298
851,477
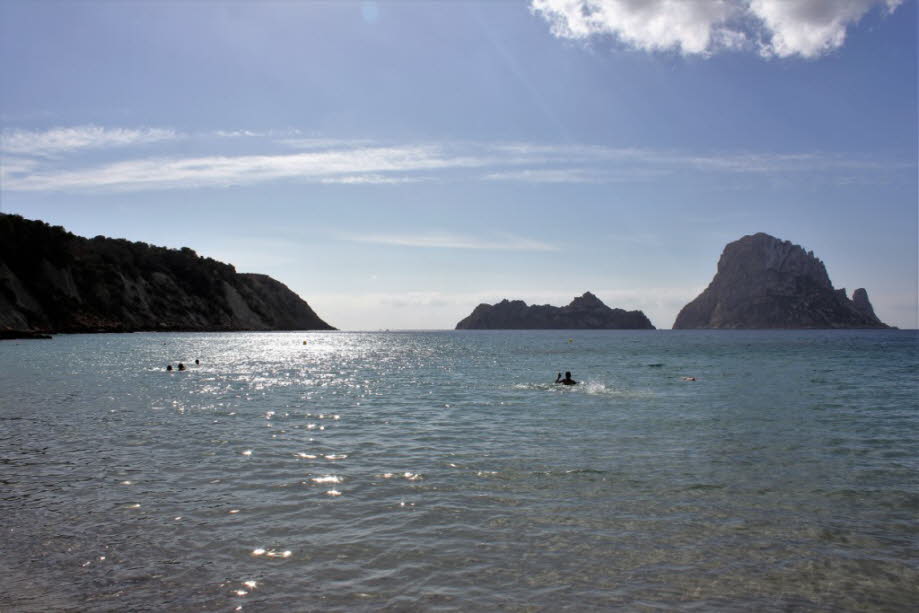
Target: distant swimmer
689,378
567,380
181,366
197,361
169,367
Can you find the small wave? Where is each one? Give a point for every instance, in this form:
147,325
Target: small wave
597,388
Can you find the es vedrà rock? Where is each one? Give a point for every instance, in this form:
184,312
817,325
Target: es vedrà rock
586,312
54,281
765,282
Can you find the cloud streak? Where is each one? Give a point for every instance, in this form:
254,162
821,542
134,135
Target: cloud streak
31,163
441,240
773,28
59,141
225,171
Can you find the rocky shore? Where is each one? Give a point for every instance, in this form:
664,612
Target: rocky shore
53,281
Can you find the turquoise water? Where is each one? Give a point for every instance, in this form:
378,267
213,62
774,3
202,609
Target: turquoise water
443,471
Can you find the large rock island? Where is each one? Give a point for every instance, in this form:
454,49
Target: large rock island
765,282
586,312
54,281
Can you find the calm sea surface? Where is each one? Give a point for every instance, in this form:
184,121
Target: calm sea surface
443,471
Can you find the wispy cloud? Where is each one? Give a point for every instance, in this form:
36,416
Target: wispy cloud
547,175
579,175
65,140
442,240
773,28
222,171
33,161
373,179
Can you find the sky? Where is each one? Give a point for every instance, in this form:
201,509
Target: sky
398,163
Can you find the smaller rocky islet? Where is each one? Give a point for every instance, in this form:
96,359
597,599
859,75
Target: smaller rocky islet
586,312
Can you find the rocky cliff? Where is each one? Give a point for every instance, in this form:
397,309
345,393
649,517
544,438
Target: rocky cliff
765,282
586,312
54,281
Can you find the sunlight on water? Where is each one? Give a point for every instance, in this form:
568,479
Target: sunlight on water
446,471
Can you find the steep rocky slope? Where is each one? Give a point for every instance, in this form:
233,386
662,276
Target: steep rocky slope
765,282
584,312
54,281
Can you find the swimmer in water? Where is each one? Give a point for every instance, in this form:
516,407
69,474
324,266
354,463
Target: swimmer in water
181,366
567,380
169,367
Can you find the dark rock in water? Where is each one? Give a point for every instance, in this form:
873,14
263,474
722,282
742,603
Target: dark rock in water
54,281
586,312
765,282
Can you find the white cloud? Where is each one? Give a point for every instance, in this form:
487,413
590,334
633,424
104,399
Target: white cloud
64,140
547,175
13,166
783,28
344,162
372,179
439,240
649,25
811,28
223,171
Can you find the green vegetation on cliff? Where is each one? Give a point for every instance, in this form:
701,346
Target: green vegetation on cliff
54,281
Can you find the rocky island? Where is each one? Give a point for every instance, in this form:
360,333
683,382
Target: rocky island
586,312
53,281
765,282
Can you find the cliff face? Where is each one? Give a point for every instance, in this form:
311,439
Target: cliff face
584,312
54,281
765,282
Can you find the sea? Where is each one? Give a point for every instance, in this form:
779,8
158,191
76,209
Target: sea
445,471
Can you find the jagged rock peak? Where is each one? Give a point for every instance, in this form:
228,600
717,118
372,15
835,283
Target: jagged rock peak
761,253
584,312
861,302
766,282
586,300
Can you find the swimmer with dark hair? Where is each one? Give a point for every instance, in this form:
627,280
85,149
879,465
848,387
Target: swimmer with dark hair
169,367
567,380
181,366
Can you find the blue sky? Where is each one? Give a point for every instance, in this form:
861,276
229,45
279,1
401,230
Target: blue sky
397,163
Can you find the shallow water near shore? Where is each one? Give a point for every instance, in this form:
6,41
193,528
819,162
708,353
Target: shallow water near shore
444,471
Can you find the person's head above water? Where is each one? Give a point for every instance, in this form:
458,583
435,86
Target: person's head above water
567,380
